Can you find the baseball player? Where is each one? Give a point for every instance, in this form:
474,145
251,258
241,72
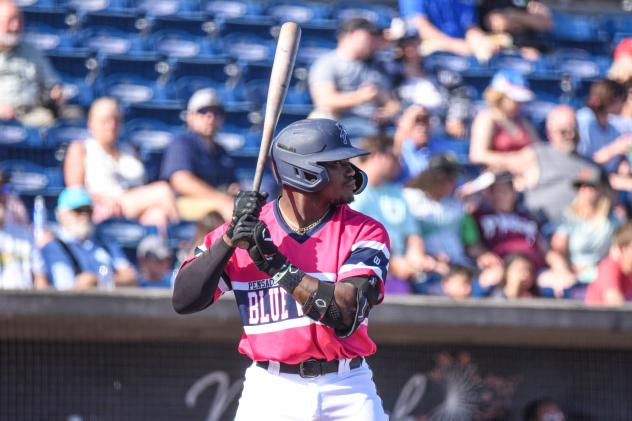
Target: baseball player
305,284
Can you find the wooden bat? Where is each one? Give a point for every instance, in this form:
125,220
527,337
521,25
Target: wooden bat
282,68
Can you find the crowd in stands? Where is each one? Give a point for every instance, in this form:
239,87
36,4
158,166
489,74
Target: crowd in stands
482,194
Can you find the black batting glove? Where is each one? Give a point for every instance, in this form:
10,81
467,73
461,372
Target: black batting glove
246,203
243,230
264,253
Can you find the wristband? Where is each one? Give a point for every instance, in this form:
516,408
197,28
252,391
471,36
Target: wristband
289,277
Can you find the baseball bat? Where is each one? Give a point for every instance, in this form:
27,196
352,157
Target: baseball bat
282,68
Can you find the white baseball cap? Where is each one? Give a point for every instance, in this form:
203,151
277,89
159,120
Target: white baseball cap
206,97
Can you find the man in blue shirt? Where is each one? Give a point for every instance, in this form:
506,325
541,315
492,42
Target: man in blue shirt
155,262
78,259
200,171
449,25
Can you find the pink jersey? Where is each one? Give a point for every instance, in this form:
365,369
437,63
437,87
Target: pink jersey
345,244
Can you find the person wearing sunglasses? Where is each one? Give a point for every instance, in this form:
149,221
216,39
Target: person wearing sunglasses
198,168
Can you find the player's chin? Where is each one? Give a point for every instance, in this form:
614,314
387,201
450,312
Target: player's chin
345,199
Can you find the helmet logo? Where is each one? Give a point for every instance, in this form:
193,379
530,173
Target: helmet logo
344,137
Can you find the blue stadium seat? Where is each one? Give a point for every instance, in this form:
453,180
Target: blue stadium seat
65,132
95,5
380,15
78,71
113,33
50,29
227,9
168,112
181,233
185,36
166,7
263,27
14,133
135,78
536,111
149,134
300,12
239,142
552,88
618,23
518,63
249,48
298,98
127,233
30,179
219,69
580,31
34,4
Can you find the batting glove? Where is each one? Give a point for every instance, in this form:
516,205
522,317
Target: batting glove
246,203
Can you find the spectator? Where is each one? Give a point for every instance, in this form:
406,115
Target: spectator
21,264
544,171
112,173
412,138
504,230
518,278
14,209
500,128
544,409
440,96
599,139
623,121
155,262
75,256
382,200
457,284
438,213
449,25
347,85
522,20
621,68
30,89
583,237
613,285
197,167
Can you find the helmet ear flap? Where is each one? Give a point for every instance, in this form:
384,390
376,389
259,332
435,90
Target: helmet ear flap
361,180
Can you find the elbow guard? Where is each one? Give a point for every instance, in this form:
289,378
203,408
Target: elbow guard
322,307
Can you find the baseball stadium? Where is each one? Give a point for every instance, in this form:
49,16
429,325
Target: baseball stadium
415,210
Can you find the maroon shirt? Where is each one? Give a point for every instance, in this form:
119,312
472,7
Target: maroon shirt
508,233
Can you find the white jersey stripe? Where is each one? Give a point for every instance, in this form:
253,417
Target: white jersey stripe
245,285
286,324
350,267
376,245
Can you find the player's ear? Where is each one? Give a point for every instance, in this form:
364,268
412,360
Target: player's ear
361,180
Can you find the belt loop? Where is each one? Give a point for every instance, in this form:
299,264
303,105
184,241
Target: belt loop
274,367
344,366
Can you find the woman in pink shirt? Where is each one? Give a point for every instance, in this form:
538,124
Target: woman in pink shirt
500,129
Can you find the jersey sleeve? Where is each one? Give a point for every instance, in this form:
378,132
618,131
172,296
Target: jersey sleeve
370,253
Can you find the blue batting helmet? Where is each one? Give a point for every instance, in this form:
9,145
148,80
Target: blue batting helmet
298,150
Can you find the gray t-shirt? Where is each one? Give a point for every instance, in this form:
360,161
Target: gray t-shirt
24,74
554,190
348,75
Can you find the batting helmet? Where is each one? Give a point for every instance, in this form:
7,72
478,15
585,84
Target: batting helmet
298,150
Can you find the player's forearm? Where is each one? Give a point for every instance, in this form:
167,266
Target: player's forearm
197,281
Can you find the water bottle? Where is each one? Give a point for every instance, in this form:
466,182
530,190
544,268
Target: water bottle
39,217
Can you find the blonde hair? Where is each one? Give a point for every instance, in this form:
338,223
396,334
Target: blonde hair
603,207
493,97
105,100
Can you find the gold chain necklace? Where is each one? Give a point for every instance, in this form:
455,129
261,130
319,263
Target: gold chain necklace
302,231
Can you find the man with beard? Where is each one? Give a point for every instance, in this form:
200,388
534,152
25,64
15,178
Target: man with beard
29,87
308,270
75,256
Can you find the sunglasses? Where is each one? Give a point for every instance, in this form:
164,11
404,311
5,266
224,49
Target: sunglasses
218,111
568,132
422,120
83,209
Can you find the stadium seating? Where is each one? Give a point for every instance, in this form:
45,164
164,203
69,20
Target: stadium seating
78,71
227,9
50,28
126,232
135,78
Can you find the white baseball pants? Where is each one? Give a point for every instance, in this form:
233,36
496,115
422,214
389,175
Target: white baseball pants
346,395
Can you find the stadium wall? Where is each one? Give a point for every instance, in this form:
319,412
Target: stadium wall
125,355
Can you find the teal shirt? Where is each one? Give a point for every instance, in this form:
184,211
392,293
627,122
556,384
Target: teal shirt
386,204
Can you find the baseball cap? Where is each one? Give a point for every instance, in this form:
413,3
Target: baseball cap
153,246
444,161
513,84
74,198
356,23
206,97
623,48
